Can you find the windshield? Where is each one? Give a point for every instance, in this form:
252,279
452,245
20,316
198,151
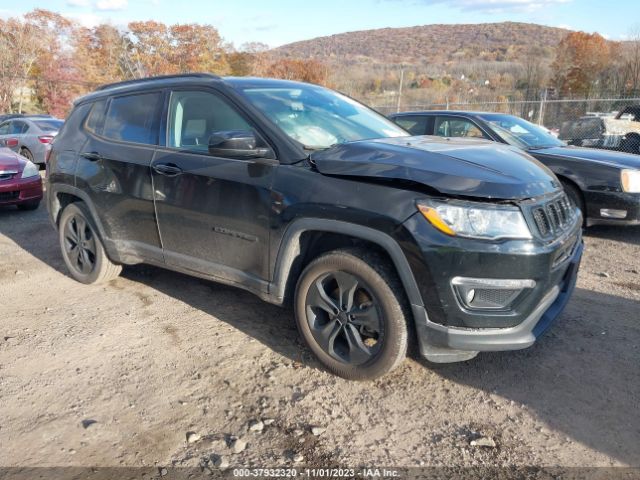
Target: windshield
319,118
49,125
519,132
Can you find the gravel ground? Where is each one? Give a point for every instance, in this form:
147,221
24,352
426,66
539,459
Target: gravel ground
160,369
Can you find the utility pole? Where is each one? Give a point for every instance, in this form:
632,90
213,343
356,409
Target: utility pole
543,101
400,89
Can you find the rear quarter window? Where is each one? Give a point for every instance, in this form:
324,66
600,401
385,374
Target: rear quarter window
133,118
95,120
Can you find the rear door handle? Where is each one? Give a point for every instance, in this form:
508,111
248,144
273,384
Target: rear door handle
167,169
91,156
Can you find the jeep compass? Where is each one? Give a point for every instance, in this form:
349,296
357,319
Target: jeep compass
305,197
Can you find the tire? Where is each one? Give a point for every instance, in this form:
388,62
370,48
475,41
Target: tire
87,262
369,337
26,153
575,196
29,206
632,145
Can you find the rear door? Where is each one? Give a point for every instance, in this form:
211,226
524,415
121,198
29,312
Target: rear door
414,124
452,126
114,168
213,212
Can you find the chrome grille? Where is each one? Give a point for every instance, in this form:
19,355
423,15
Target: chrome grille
553,217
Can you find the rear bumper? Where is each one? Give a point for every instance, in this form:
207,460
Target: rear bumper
19,191
444,344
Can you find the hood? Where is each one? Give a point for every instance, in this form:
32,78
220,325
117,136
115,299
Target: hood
608,157
10,161
461,167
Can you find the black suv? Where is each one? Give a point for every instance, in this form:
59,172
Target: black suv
297,193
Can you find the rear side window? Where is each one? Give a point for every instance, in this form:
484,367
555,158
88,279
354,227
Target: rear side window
18,128
456,127
133,118
96,117
49,125
414,125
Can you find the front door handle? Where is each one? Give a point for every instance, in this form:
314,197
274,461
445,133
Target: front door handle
91,156
167,169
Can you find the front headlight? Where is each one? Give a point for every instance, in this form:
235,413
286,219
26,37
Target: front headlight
476,220
30,170
630,180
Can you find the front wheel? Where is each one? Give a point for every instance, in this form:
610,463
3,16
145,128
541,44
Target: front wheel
575,197
82,249
349,310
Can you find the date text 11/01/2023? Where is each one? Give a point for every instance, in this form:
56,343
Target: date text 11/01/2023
316,472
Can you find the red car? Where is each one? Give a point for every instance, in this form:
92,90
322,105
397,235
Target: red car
20,182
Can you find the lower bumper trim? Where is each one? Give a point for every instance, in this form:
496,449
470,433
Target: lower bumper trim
438,342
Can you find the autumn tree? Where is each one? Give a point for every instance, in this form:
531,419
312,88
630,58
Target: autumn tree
311,71
55,78
581,61
18,54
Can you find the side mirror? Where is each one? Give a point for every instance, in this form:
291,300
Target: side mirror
236,144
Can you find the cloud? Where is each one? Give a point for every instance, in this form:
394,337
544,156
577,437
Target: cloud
497,6
111,5
78,3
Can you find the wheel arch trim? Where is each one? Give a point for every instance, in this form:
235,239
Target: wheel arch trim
290,248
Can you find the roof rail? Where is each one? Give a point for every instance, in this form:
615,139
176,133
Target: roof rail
161,77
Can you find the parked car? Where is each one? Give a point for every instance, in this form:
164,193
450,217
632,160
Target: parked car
30,136
604,185
620,133
20,182
299,194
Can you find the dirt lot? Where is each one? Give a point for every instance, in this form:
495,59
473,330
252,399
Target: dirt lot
119,374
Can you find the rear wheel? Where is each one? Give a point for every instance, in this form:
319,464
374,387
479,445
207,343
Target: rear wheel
26,153
82,249
632,145
349,310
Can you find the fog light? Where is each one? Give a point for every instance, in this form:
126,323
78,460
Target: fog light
471,294
489,293
610,213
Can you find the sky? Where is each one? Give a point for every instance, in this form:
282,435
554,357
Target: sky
277,22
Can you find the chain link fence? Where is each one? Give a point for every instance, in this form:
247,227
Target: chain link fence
608,123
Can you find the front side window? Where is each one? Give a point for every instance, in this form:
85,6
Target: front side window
415,125
520,133
319,118
456,127
195,115
133,118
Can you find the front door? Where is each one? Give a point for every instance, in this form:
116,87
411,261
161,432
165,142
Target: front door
213,212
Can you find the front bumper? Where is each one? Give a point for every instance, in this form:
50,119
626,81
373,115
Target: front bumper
600,205
19,191
449,328
443,344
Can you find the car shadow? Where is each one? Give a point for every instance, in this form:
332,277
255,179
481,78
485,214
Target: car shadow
234,306
628,234
581,378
